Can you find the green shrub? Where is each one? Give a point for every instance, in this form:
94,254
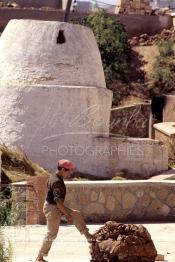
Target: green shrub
112,41
164,69
5,207
164,78
165,48
5,249
120,91
10,209
10,213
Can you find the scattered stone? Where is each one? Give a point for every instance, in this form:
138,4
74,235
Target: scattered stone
146,40
12,4
161,11
122,242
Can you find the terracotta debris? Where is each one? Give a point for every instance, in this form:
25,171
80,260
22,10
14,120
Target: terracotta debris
160,257
122,242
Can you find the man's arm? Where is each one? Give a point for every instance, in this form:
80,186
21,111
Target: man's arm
58,197
63,209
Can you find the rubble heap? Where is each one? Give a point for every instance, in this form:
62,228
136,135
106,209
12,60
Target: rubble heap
145,40
8,4
122,242
133,7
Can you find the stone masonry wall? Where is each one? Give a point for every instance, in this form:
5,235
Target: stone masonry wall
100,201
132,121
133,7
123,201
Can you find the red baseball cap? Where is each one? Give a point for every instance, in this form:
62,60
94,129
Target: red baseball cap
66,164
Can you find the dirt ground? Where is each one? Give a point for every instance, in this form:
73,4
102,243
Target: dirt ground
148,55
70,246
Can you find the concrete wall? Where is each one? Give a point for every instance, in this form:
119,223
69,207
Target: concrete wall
169,109
41,59
126,201
130,121
83,6
56,121
51,122
134,24
144,157
39,3
162,4
168,141
165,132
34,119
139,24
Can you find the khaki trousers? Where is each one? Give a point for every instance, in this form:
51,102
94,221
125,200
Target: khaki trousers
53,216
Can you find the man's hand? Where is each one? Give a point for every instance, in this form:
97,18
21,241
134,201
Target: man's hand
63,209
68,218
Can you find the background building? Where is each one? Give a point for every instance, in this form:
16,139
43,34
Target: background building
162,3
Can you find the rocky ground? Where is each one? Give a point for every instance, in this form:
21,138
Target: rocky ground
146,40
71,246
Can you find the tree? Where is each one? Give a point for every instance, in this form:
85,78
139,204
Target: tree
112,41
164,69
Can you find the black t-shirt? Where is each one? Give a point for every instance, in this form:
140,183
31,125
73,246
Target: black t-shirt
56,189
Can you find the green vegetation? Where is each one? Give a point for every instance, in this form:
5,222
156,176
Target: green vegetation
164,69
11,211
16,166
5,216
113,45
112,41
5,249
5,207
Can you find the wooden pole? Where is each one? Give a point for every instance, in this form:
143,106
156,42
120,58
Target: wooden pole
67,12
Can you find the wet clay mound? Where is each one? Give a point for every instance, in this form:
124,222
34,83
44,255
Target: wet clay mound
122,242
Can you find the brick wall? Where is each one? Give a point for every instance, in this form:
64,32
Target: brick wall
35,198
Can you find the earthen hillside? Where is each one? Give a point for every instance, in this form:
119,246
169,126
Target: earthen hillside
16,166
144,54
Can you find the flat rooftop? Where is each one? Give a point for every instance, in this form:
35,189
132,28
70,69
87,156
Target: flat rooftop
168,128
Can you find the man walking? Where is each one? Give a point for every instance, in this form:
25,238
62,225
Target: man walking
54,208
